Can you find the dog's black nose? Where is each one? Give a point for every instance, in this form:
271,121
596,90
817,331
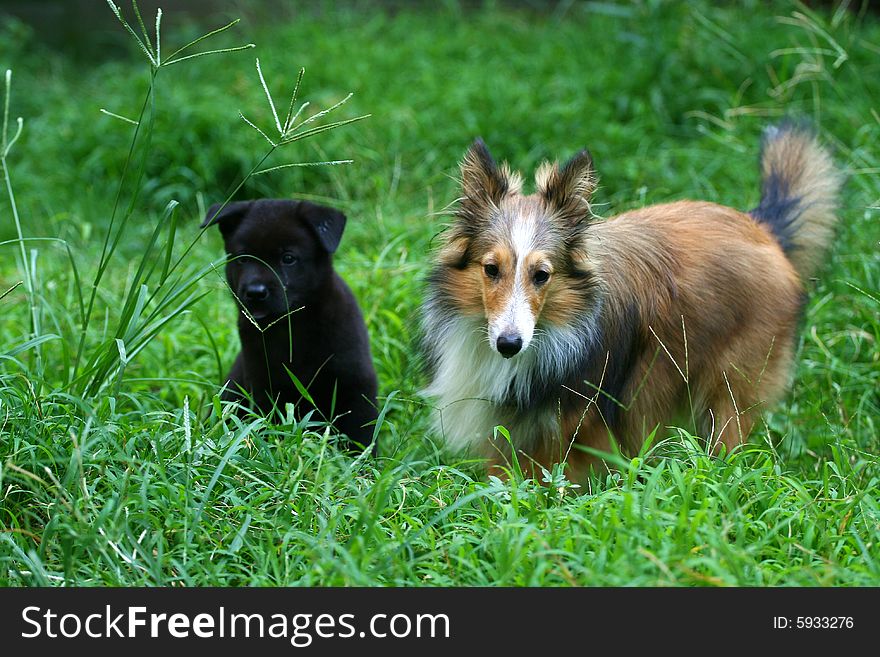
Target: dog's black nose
508,345
256,292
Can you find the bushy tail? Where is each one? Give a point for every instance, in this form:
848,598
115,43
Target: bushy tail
799,189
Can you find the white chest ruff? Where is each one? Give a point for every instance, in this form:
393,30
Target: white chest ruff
476,389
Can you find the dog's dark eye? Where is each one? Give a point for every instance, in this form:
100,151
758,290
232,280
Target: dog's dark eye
288,259
491,270
540,277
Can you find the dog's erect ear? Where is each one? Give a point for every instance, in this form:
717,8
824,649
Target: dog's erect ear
328,223
228,217
483,182
568,190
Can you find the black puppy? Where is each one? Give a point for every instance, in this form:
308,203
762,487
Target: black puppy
280,260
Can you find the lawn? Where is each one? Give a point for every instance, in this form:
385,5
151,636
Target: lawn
119,465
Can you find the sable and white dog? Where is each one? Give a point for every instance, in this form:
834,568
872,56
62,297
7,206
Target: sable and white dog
575,332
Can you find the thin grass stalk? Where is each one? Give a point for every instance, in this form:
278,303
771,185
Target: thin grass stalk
30,282
107,248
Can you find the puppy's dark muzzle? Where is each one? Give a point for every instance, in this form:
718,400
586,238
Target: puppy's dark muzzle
508,345
256,292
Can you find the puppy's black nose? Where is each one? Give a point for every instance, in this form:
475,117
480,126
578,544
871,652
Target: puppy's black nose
256,292
509,345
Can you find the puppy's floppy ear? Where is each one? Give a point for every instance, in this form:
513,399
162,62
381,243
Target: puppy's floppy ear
483,182
328,223
226,217
568,190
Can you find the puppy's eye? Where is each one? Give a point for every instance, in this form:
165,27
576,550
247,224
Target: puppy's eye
491,270
540,277
288,259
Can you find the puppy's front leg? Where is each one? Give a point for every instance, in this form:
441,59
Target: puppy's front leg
356,409
235,381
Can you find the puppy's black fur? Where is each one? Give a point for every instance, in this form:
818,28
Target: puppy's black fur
280,260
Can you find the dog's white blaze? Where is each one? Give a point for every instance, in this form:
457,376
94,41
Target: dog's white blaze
522,234
517,319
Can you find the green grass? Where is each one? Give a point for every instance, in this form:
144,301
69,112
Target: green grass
121,468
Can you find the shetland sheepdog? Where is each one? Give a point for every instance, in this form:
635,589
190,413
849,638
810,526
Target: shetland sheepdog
574,332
